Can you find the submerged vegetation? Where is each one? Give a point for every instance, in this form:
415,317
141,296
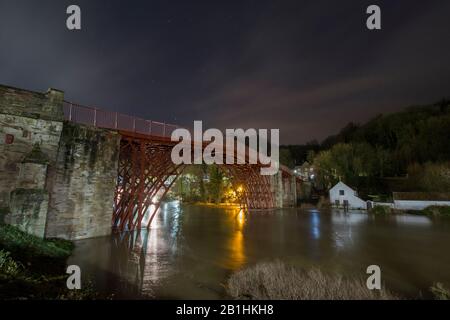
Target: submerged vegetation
437,211
278,281
440,292
380,210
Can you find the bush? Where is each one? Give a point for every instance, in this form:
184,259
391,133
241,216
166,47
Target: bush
380,210
8,266
437,211
440,292
281,282
45,255
31,267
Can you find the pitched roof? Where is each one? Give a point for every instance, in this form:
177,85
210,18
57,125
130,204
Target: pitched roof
436,196
341,184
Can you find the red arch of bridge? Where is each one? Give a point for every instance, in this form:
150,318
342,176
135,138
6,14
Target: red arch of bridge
146,169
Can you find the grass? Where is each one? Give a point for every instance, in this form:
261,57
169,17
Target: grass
34,268
278,281
440,292
43,256
8,266
380,210
13,239
437,211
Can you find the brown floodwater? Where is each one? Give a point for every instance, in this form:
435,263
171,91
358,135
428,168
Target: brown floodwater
190,251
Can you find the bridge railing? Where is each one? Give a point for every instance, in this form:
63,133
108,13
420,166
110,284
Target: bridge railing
114,120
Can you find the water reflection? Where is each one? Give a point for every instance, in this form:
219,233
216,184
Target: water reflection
143,260
341,217
315,224
237,253
413,220
240,218
191,250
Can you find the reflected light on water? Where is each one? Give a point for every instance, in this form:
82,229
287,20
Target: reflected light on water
147,216
413,220
176,213
237,258
348,218
190,251
343,224
315,224
152,267
241,218
237,254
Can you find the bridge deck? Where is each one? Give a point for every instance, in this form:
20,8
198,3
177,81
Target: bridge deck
116,121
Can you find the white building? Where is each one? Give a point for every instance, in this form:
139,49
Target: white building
341,195
419,200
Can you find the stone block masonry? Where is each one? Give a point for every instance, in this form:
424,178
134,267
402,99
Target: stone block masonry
26,119
284,188
29,210
83,183
29,200
30,130
57,179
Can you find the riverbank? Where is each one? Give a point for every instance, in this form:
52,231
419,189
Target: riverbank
431,211
34,268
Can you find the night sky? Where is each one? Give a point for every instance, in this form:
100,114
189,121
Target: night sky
305,67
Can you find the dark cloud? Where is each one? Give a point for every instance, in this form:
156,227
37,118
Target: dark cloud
306,67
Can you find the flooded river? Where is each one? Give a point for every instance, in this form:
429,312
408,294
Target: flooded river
191,250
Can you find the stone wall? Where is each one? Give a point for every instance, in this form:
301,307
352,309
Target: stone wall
276,187
28,210
83,183
30,129
26,119
57,179
35,105
284,189
289,191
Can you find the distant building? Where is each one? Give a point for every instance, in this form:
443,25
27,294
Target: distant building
305,171
341,195
420,200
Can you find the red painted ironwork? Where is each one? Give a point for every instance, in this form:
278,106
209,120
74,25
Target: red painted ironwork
116,121
146,172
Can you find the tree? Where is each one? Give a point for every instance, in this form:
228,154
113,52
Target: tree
286,158
215,184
